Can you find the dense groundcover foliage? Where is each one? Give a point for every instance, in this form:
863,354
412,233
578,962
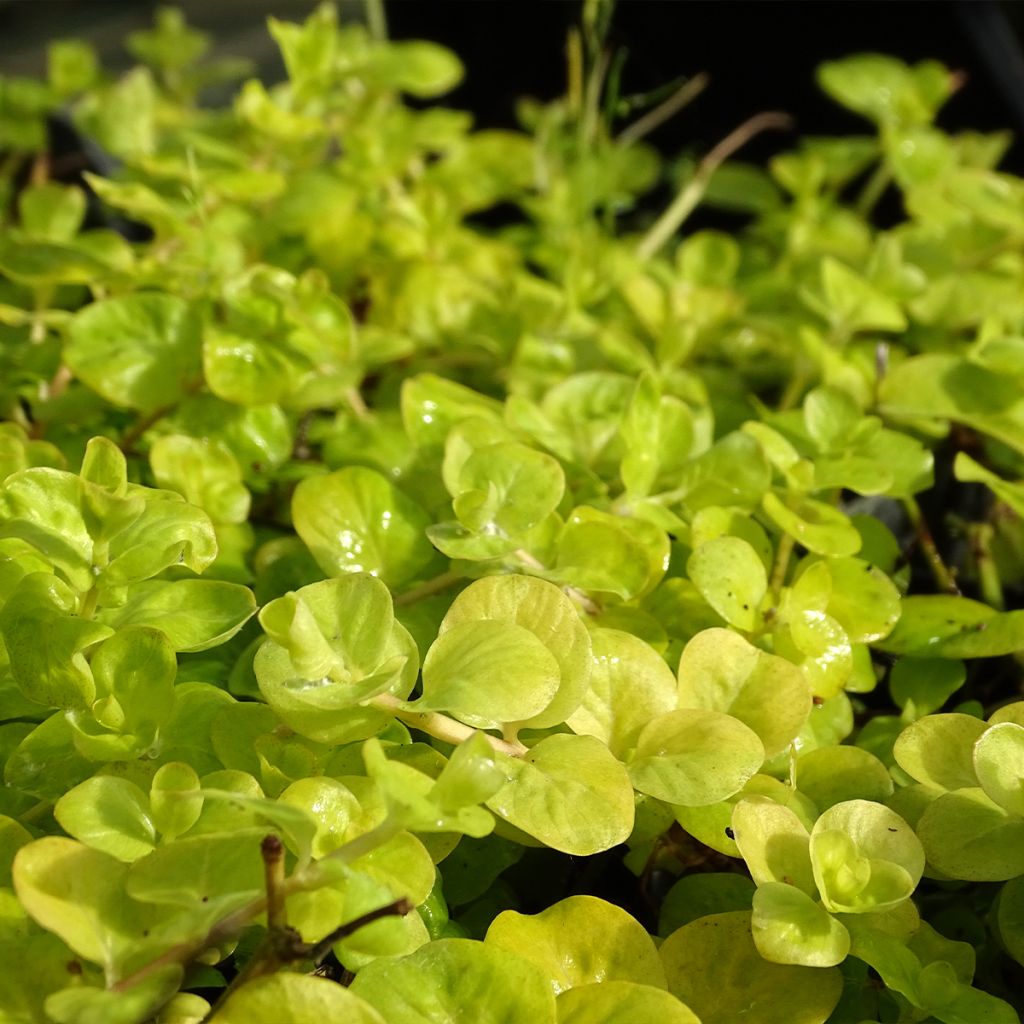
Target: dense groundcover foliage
580,621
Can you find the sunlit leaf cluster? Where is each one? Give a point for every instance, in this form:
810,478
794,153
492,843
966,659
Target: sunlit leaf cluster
409,532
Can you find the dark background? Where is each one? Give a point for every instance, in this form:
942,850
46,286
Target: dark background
761,54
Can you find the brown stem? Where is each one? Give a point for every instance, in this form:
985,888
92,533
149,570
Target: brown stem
685,203
657,116
319,950
941,573
272,851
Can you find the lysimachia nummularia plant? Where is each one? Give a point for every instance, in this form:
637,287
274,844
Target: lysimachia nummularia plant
580,621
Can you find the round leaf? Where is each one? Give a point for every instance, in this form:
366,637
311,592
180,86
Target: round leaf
630,684
721,671
967,835
999,764
452,980
545,611
488,673
938,750
731,578
139,351
694,757
108,814
579,941
621,1002
714,967
355,520
570,793
285,998
790,928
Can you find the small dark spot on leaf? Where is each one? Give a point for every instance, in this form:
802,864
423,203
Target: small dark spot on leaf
818,701
205,899
894,830
73,967
729,832
746,607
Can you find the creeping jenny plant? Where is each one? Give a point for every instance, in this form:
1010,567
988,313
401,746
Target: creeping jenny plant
377,587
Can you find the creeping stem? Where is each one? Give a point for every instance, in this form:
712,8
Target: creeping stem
686,202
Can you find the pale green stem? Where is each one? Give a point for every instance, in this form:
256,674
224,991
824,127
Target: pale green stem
873,189
585,601
427,588
690,196
783,553
376,20
440,726
668,108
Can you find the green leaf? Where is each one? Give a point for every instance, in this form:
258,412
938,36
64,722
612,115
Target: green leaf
942,386
1010,918
46,763
489,673
967,835
695,896
814,525
508,488
920,686
830,416
999,765
285,998
774,843
865,857
938,750
175,802
886,90
355,520
87,1005
854,304
830,775
445,981
52,672
334,644
621,1002
542,609
570,793
51,212
721,671
790,928
732,579
580,941
205,473
863,600
134,674
733,472
714,967
943,626
108,814
194,615
598,551
210,875
629,685
138,351
78,893
415,800
694,757
343,624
